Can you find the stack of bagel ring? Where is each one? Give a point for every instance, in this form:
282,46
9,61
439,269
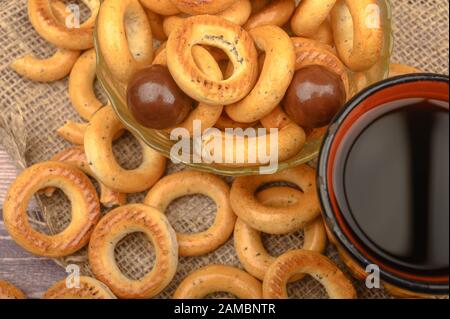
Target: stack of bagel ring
265,43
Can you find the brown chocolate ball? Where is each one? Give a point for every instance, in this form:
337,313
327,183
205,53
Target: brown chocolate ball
155,100
314,97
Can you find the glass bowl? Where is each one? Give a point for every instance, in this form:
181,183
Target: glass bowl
160,141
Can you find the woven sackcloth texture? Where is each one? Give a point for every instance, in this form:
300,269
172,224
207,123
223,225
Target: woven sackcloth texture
31,112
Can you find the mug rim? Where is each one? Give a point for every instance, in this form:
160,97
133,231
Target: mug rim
324,191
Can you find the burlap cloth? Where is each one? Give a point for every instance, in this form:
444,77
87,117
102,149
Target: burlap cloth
31,112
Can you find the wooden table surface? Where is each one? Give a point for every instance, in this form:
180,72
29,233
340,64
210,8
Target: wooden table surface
31,273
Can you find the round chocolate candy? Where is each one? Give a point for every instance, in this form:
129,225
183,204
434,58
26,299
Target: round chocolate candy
155,100
314,97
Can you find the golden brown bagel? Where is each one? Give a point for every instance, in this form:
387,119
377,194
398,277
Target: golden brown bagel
207,114
9,291
358,33
241,150
309,16
186,183
81,81
277,12
98,138
89,288
216,32
81,193
156,24
276,220
124,35
279,66
162,7
324,34
46,24
75,155
203,6
51,69
218,278
119,223
247,241
337,285
238,13
73,132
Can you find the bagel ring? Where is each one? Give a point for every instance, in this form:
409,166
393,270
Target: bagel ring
300,261
317,55
89,288
81,193
53,68
98,138
277,12
119,223
162,7
216,32
124,35
46,24
81,90
9,291
218,278
357,32
278,68
75,155
276,220
196,7
290,140
309,16
205,113
185,183
247,241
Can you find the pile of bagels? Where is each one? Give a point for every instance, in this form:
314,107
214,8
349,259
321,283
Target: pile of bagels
187,32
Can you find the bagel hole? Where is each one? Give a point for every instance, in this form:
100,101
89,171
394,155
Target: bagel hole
307,287
222,60
135,255
127,151
192,213
220,295
57,213
84,10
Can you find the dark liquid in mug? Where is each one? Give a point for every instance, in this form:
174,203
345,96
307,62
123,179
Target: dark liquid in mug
392,184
